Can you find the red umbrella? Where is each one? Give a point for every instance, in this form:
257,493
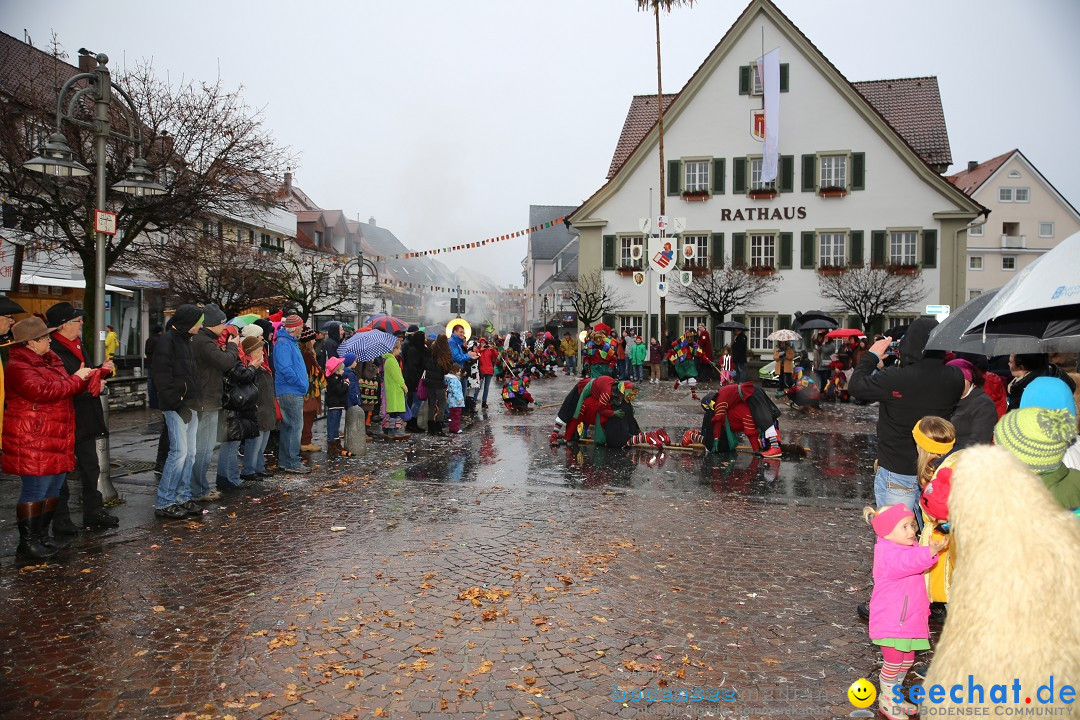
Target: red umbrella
845,332
388,324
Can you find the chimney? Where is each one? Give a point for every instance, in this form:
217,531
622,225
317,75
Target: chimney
972,164
288,183
371,220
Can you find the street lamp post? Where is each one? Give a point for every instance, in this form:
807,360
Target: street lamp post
58,163
362,264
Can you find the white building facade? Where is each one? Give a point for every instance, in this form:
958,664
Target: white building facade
851,190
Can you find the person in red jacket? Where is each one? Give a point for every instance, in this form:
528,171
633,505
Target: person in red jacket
39,432
486,358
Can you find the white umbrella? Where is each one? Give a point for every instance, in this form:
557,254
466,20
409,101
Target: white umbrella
784,336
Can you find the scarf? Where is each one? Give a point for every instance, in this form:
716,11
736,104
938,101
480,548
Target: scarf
74,346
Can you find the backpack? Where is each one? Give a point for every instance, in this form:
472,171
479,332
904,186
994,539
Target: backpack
762,408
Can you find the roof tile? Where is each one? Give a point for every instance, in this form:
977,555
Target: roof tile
970,180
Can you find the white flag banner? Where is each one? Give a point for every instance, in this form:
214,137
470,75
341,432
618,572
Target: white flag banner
769,72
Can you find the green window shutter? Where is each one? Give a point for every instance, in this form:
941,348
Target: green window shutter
609,252
854,321
717,249
787,173
809,242
929,248
609,320
877,247
744,79
785,251
856,254
738,249
674,177
783,322
858,171
738,318
672,326
784,77
738,175
719,179
809,173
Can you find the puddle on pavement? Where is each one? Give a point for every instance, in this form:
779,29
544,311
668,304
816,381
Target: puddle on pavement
836,467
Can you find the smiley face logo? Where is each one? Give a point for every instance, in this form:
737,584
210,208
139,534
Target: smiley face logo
862,693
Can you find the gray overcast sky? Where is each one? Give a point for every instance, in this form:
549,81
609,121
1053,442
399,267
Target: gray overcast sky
446,120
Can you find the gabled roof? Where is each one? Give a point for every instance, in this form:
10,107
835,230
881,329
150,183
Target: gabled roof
912,106
545,244
971,179
640,118
31,76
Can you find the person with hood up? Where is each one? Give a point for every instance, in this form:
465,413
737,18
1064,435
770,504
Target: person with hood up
212,361
975,415
334,337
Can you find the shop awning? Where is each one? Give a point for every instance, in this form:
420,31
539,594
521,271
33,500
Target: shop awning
68,283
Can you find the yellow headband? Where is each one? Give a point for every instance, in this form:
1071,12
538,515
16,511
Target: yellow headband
929,444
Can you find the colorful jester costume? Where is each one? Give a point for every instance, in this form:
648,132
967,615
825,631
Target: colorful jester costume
682,354
515,393
727,413
804,393
599,352
606,405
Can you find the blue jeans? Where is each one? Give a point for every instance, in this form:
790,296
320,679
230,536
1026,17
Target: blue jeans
205,440
175,484
740,373
414,406
571,364
485,382
292,422
333,423
637,372
228,462
255,453
891,488
39,487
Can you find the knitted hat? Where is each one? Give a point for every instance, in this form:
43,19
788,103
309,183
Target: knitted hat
307,334
349,359
275,317
965,367
212,315
1048,392
885,522
251,343
293,321
1036,436
332,364
252,330
935,496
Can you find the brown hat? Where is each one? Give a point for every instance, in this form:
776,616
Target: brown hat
30,328
251,344
293,321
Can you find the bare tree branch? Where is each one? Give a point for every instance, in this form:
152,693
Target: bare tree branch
592,298
311,282
872,292
725,290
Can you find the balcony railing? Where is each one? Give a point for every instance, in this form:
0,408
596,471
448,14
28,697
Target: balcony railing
1014,241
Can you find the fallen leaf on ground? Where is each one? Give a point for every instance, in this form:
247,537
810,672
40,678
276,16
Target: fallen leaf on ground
158,608
485,667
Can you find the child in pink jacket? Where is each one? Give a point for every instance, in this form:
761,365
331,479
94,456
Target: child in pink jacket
899,605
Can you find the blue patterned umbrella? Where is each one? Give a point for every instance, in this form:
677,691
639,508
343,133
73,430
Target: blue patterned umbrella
368,345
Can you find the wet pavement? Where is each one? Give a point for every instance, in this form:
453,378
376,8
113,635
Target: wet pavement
485,575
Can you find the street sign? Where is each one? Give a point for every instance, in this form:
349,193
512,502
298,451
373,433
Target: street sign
105,222
939,311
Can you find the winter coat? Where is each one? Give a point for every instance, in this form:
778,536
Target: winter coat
568,347
332,341
638,351
336,390
412,360
974,419
290,374
394,384
656,353
212,361
174,365
240,399
705,343
316,377
1017,386
39,430
787,364
267,409
487,359
907,394
1063,483
738,349
433,374
454,397
899,605
457,350
353,396
89,414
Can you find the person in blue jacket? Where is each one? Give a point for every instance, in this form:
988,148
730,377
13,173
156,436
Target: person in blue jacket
290,384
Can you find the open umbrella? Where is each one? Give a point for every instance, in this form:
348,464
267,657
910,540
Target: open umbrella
729,325
815,315
948,335
368,345
845,332
815,324
243,320
388,323
784,336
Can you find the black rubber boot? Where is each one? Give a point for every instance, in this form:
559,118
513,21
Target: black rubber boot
28,517
48,519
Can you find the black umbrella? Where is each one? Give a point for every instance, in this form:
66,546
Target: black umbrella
814,324
815,315
729,325
1037,331
947,335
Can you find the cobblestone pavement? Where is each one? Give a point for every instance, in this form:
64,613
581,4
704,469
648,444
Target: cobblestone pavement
487,575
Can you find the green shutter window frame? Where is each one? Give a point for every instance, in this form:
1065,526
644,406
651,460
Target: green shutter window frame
854,321
878,250
783,322
786,250
739,318
609,252
744,79
610,321
719,175
717,248
674,177
929,248
856,252
809,173
858,171
784,75
738,175
672,326
738,249
787,173
809,250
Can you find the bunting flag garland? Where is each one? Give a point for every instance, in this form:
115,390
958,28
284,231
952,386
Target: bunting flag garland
468,246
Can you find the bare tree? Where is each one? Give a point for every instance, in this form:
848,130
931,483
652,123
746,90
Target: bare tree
872,292
310,282
592,298
725,290
203,143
